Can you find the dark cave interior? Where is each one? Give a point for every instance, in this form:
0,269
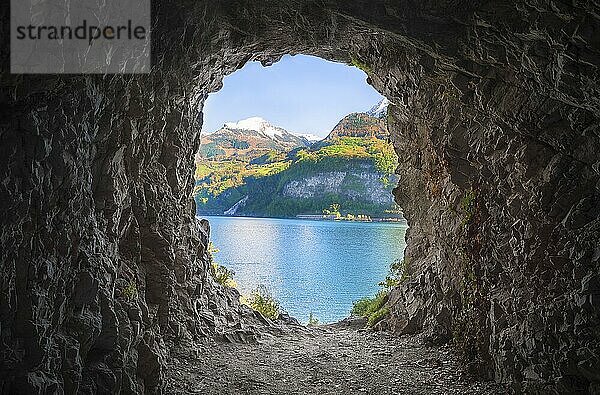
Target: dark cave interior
495,117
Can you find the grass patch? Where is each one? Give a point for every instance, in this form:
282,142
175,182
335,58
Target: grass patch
267,169
374,308
467,206
378,316
361,65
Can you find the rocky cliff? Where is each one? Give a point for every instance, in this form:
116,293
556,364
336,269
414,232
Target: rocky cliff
300,187
495,117
362,183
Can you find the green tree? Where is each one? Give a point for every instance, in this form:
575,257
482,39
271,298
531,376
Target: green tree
334,209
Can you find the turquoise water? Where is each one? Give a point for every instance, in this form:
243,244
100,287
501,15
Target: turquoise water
309,266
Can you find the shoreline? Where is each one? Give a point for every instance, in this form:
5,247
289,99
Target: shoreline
390,220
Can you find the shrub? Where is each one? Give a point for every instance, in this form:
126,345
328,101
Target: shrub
377,316
312,321
373,309
398,274
389,282
261,300
362,306
130,291
221,274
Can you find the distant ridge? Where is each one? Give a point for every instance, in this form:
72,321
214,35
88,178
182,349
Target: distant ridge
248,138
360,125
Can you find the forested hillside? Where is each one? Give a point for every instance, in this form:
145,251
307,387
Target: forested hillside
239,172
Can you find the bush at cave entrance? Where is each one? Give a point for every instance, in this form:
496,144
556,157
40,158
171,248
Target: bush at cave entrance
373,309
221,274
262,301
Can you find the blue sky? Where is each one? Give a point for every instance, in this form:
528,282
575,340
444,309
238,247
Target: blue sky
302,94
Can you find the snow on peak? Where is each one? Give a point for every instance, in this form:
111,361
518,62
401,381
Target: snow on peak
256,124
264,127
310,137
380,109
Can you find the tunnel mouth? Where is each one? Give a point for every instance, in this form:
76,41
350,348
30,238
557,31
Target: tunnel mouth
315,214
494,118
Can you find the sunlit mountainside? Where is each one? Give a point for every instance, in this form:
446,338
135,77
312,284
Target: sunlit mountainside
248,138
254,168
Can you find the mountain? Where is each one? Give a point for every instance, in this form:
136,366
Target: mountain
248,138
380,109
356,173
360,125
253,168
311,137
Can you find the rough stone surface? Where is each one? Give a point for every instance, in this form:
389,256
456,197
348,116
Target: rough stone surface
326,360
495,117
355,181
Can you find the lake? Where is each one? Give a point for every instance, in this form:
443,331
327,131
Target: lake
309,266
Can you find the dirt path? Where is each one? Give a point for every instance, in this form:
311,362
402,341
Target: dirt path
324,360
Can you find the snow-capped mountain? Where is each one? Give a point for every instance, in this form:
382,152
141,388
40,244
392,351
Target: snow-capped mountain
257,124
253,137
249,137
311,137
363,124
380,109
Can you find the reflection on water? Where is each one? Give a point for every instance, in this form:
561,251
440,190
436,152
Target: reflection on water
309,266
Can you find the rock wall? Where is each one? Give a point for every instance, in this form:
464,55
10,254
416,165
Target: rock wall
499,170
360,182
103,263
495,119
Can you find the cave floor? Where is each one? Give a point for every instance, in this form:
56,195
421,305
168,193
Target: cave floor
322,360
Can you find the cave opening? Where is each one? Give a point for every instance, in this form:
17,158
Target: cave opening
495,120
284,148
